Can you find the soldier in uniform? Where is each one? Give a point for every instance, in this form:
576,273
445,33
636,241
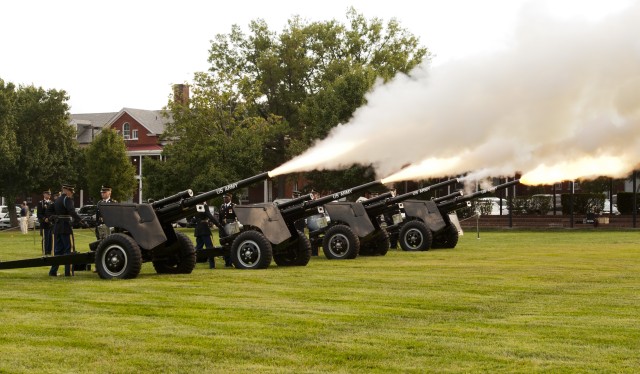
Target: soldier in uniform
45,225
61,213
105,193
227,215
202,231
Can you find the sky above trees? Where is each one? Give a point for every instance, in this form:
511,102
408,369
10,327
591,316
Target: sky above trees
128,54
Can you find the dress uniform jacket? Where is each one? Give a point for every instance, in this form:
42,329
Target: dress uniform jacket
227,215
63,209
43,212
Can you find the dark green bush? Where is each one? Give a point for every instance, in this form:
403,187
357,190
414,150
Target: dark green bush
532,205
583,203
625,202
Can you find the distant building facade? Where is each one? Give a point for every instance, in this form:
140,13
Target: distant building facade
140,129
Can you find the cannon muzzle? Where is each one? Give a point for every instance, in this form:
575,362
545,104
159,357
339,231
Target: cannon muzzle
379,198
179,208
460,202
172,199
298,211
296,201
447,197
379,207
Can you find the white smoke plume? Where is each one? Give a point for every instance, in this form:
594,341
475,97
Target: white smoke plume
562,102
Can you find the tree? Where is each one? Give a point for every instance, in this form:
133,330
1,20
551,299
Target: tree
107,164
9,149
36,139
286,89
220,140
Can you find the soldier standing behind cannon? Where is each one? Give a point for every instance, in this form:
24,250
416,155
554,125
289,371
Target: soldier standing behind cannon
227,215
105,193
45,225
61,213
202,231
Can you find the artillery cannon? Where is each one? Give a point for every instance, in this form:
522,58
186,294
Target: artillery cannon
356,228
268,231
431,223
142,233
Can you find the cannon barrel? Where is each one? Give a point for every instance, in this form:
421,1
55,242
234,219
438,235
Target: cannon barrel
458,202
296,201
171,199
381,206
298,211
447,197
378,198
185,207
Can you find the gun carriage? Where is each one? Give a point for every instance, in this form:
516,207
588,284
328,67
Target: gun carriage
432,223
269,231
142,233
357,228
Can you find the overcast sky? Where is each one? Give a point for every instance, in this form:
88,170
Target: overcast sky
115,54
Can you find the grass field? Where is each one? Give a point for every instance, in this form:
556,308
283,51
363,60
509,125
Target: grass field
511,301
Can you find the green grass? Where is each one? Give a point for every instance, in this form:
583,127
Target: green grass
512,301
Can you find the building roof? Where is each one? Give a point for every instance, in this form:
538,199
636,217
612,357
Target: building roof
90,124
152,120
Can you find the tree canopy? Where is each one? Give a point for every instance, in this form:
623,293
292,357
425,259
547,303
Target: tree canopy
267,96
37,145
107,164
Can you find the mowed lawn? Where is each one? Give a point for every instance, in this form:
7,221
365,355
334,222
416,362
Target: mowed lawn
510,301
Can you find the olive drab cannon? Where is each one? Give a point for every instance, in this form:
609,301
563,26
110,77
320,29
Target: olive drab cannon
269,231
432,223
142,233
357,228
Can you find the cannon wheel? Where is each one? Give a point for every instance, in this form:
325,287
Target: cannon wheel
118,256
298,252
251,250
448,238
378,246
183,260
340,243
415,236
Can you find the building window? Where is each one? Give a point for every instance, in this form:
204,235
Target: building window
126,131
134,134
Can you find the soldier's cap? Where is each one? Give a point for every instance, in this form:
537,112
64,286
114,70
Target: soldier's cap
48,192
228,194
105,189
69,187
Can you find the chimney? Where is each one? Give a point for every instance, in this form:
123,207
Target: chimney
181,94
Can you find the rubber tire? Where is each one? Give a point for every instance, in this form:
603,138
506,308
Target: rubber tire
184,258
118,256
337,238
448,238
378,246
251,250
415,236
298,253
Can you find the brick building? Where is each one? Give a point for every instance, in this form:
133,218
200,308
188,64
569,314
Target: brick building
140,129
